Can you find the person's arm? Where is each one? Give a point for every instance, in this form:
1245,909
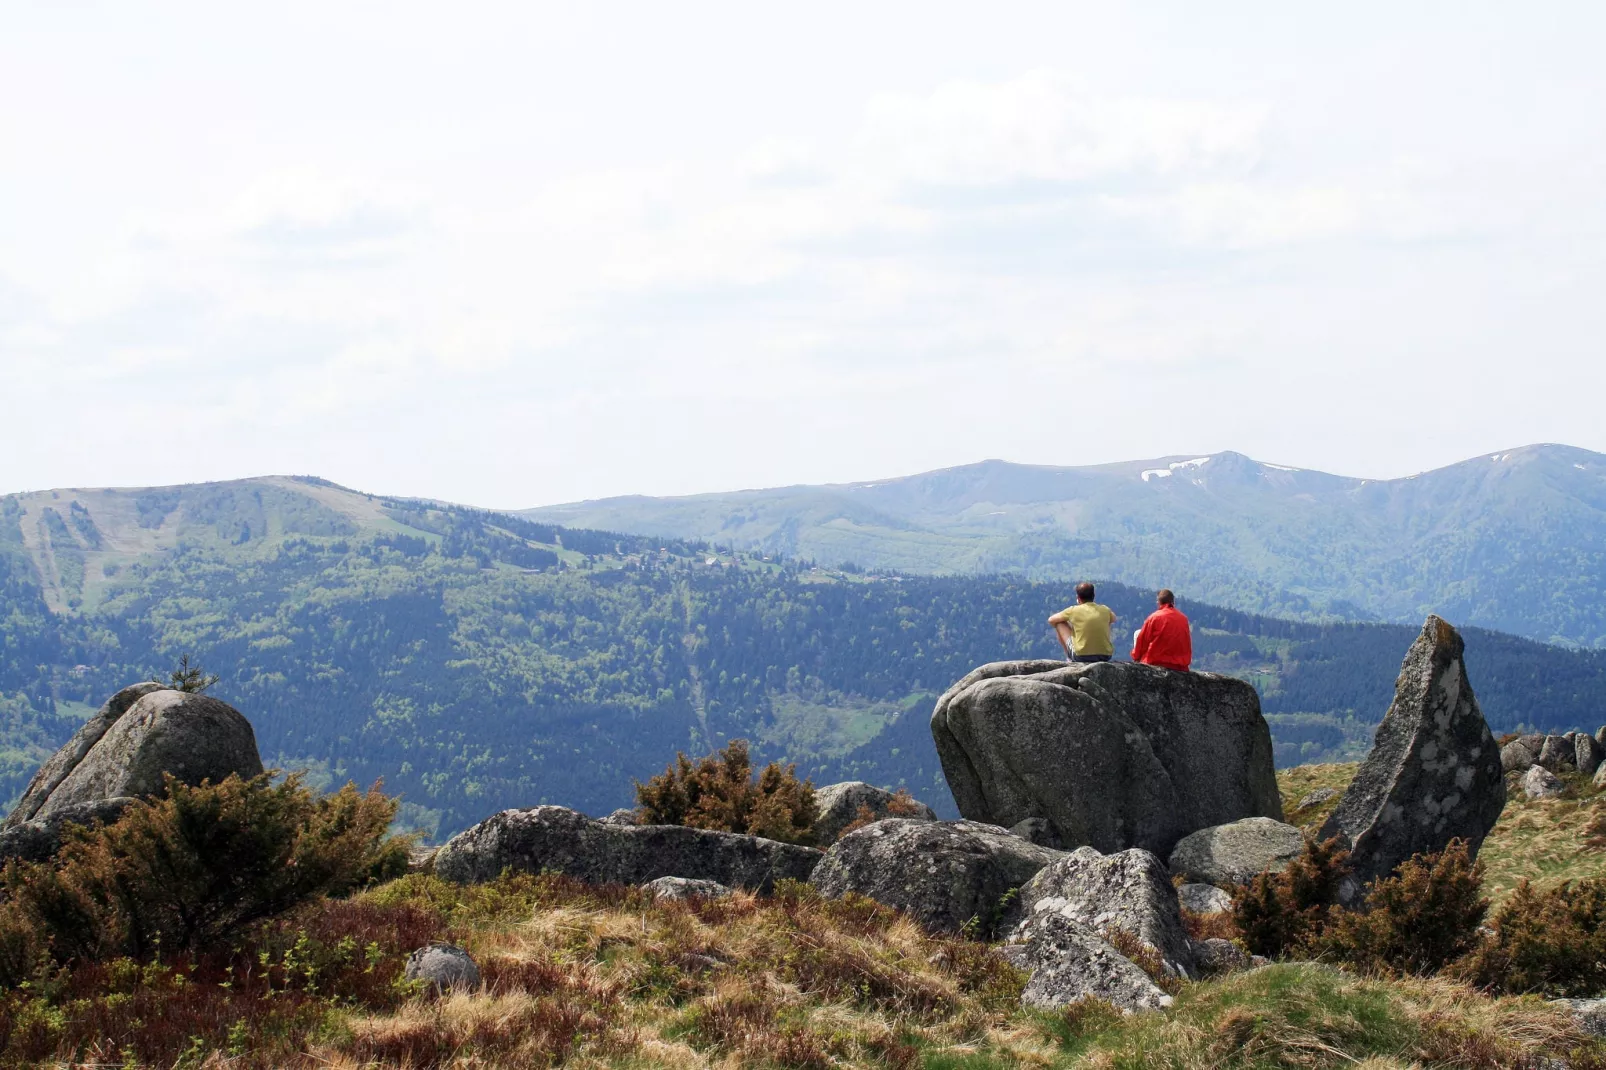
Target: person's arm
1058,618
1140,646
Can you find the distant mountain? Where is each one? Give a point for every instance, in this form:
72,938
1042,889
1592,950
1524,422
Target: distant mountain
478,661
1514,540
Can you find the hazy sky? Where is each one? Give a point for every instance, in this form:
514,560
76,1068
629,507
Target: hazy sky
515,254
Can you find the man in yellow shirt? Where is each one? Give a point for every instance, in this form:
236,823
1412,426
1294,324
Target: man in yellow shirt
1084,629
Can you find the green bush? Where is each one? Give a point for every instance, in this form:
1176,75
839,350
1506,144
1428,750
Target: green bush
185,871
1416,922
1552,942
720,792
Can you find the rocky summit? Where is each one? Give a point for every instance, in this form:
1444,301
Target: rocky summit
1434,772
1110,755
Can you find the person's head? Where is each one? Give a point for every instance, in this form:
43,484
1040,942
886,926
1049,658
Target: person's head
1165,597
1085,592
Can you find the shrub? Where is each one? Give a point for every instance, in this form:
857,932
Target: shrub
1416,922
1552,942
187,870
720,792
1279,913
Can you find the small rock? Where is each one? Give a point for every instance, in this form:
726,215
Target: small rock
1217,956
445,967
1557,754
421,858
1234,853
1069,963
1516,756
622,816
685,888
1600,777
1587,754
1316,798
1590,1014
1204,899
840,805
1039,830
1540,783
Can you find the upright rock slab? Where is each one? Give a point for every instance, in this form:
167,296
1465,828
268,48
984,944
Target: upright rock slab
560,840
1433,774
1112,755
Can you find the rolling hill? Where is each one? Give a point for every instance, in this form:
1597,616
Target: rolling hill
1514,541
478,661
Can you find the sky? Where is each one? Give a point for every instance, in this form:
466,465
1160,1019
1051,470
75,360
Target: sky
519,254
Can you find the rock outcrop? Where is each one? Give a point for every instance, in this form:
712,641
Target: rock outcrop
1068,963
1234,853
557,839
942,873
1433,774
840,805
1112,755
1129,891
142,733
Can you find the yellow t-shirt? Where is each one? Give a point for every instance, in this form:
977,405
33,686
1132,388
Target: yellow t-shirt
1090,628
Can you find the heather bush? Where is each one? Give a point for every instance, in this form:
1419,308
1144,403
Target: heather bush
1277,913
1416,922
720,792
1552,942
186,871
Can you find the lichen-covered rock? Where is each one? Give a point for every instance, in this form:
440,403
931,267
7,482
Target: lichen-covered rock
561,840
1235,852
1433,773
840,805
942,873
1516,756
39,839
1587,754
421,858
1203,899
1540,783
444,967
1129,890
1590,1014
685,888
192,737
1112,754
622,816
1599,780
1316,798
1068,963
1038,830
1557,754
60,764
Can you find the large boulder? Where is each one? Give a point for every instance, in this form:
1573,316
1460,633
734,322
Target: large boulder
1433,774
1540,783
1235,852
141,735
1587,753
560,840
1129,891
1112,754
66,759
1517,756
840,805
1068,963
943,873
1557,754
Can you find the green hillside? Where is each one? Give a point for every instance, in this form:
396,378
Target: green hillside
1514,541
478,661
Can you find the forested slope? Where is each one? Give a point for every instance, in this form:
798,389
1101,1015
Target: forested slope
477,661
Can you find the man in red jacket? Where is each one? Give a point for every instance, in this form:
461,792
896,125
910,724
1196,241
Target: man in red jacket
1164,639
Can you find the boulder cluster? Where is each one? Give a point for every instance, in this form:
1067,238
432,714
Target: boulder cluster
1538,760
1099,801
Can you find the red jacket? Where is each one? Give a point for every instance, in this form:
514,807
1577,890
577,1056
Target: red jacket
1164,640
